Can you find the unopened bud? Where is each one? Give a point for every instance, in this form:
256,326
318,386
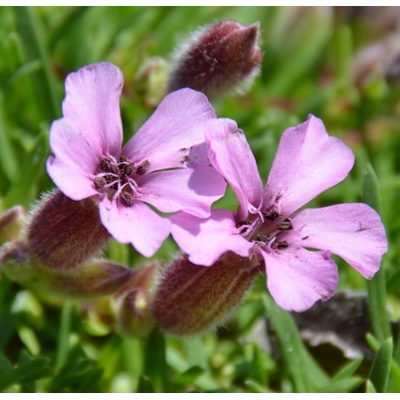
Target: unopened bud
92,279
218,59
133,313
150,81
11,223
64,233
192,299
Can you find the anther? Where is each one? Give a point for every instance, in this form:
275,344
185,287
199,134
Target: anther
270,215
280,245
285,225
143,167
126,199
262,238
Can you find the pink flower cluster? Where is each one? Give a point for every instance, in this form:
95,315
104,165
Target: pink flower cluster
178,163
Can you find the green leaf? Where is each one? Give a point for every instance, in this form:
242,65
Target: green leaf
342,386
23,191
5,365
377,285
31,370
28,27
347,370
7,157
371,194
306,374
370,387
189,376
379,375
155,363
63,335
257,387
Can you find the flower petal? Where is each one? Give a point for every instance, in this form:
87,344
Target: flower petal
205,240
74,163
297,279
231,155
188,190
91,105
352,231
175,127
137,224
308,161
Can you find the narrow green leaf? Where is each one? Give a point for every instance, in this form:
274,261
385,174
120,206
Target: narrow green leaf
257,387
190,375
155,364
342,386
5,365
23,191
377,285
306,374
379,374
370,387
371,194
145,385
63,335
35,369
28,27
7,157
347,370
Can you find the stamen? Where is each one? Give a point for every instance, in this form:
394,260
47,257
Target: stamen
126,199
285,225
271,215
262,238
281,245
143,167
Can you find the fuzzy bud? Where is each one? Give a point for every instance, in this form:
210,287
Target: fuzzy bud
218,59
11,223
64,233
92,279
192,299
133,302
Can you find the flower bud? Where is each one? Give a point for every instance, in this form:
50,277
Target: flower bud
64,233
193,299
150,81
133,302
11,223
217,59
92,279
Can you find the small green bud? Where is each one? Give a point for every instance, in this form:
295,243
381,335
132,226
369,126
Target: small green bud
11,223
133,302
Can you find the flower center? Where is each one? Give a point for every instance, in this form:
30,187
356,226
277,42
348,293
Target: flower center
267,229
114,177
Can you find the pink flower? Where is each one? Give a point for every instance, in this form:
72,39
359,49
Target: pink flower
164,165
267,226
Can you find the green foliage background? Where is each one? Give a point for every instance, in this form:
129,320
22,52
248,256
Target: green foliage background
308,67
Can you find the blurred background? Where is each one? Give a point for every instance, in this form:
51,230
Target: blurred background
341,64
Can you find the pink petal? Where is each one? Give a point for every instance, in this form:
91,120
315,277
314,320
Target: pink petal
191,191
352,231
231,155
137,224
167,136
205,240
308,161
91,106
297,279
74,163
